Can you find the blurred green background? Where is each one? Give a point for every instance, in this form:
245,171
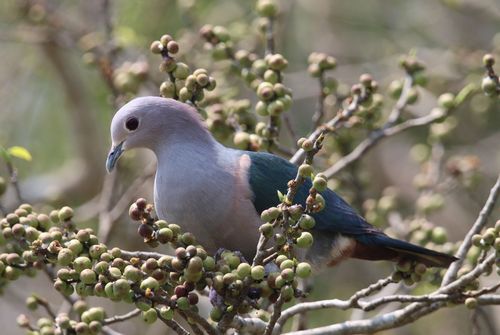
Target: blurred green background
59,108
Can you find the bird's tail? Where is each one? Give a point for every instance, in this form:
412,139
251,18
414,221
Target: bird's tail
382,247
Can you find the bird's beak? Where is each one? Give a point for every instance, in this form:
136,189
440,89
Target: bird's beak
113,156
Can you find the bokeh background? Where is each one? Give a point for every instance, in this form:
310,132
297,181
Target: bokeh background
58,105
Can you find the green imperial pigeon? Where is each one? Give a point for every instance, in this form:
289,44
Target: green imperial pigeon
218,193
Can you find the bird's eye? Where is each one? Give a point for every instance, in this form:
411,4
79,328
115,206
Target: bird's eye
132,123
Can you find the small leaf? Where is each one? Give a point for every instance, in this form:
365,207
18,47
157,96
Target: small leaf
280,196
20,152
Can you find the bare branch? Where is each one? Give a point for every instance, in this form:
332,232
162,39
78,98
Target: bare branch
123,317
478,225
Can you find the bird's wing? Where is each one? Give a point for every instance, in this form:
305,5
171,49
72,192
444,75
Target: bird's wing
269,173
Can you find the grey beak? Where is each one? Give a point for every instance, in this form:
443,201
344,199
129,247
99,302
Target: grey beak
113,156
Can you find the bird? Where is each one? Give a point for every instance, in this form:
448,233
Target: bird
218,193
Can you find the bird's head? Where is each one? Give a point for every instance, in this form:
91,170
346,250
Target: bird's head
147,121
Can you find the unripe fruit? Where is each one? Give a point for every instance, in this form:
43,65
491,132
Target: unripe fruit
88,277
471,303
489,86
276,108
82,263
446,101
270,214
65,213
257,272
305,170
181,71
183,303
286,264
216,314
266,229
149,316
97,250
320,184
439,235
241,140
243,270
307,222
121,287
395,89
150,283
267,8
165,235
167,90
261,108
32,303
488,60
306,144
305,240
303,270
65,257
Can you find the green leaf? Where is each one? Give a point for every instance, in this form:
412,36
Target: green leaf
19,152
280,196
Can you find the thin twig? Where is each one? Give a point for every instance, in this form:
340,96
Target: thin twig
278,305
478,225
14,181
123,317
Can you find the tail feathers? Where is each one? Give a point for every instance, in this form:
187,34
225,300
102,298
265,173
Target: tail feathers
381,246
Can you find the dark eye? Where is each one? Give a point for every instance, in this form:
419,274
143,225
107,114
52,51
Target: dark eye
132,123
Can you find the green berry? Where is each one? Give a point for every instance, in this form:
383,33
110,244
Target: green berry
488,60
167,89
266,229
82,263
267,8
320,184
181,71
88,277
276,108
243,270
257,272
395,89
65,257
305,240
65,213
150,283
471,303
132,273
216,314
307,222
489,86
446,101
303,270
149,316
287,264
305,170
